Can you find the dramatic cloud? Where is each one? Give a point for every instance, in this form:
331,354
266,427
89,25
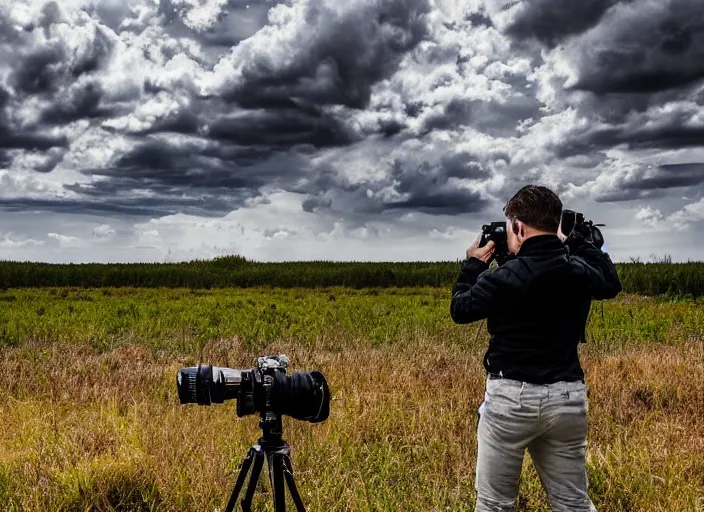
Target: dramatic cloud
326,53
549,21
321,128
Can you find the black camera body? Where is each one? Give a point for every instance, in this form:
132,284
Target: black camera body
264,389
496,232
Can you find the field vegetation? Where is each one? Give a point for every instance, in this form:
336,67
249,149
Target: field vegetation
90,419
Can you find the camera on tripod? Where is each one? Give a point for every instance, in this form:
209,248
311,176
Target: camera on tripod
266,390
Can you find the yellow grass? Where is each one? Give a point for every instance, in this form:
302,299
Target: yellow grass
82,430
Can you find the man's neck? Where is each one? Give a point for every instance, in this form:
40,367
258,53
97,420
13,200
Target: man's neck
530,233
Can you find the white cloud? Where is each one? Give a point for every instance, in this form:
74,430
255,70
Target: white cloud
104,232
649,217
10,241
690,214
65,241
680,220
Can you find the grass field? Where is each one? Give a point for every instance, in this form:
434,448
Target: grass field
90,419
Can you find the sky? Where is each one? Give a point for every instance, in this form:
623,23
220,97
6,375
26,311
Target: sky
365,130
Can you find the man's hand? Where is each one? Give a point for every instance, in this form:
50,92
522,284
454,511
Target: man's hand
481,253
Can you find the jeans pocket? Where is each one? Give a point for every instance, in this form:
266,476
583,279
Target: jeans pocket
578,399
501,397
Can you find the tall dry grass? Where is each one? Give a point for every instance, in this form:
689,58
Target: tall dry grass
87,430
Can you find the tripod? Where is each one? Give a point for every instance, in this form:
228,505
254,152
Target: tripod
277,453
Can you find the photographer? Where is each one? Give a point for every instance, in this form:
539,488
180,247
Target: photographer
536,305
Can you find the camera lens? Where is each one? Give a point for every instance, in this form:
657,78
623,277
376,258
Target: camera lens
303,396
205,384
569,219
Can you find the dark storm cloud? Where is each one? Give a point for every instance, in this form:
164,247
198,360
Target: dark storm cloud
464,165
99,51
346,55
281,128
498,119
654,182
39,71
139,207
550,21
443,202
615,45
31,141
44,68
666,136
204,178
666,51
49,71
421,187
673,175
479,18
158,164
82,102
14,138
20,140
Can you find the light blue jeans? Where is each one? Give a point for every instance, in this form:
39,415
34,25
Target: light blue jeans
551,422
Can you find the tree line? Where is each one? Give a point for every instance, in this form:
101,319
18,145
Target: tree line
681,279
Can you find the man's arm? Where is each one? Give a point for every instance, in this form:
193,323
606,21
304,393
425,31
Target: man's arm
470,271
489,292
598,270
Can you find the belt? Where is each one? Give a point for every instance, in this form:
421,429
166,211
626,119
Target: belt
496,376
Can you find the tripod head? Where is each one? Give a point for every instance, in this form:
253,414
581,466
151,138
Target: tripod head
272,430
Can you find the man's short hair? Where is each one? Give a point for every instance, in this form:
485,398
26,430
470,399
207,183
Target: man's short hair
537,206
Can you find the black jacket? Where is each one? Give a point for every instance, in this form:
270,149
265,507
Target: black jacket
536,307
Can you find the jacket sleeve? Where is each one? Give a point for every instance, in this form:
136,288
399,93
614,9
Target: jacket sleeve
598,270
470,271
475,296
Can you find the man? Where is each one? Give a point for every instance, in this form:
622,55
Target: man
536,306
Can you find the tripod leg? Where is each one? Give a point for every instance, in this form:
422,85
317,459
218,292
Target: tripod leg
276,477
253,479
288,473
244,468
